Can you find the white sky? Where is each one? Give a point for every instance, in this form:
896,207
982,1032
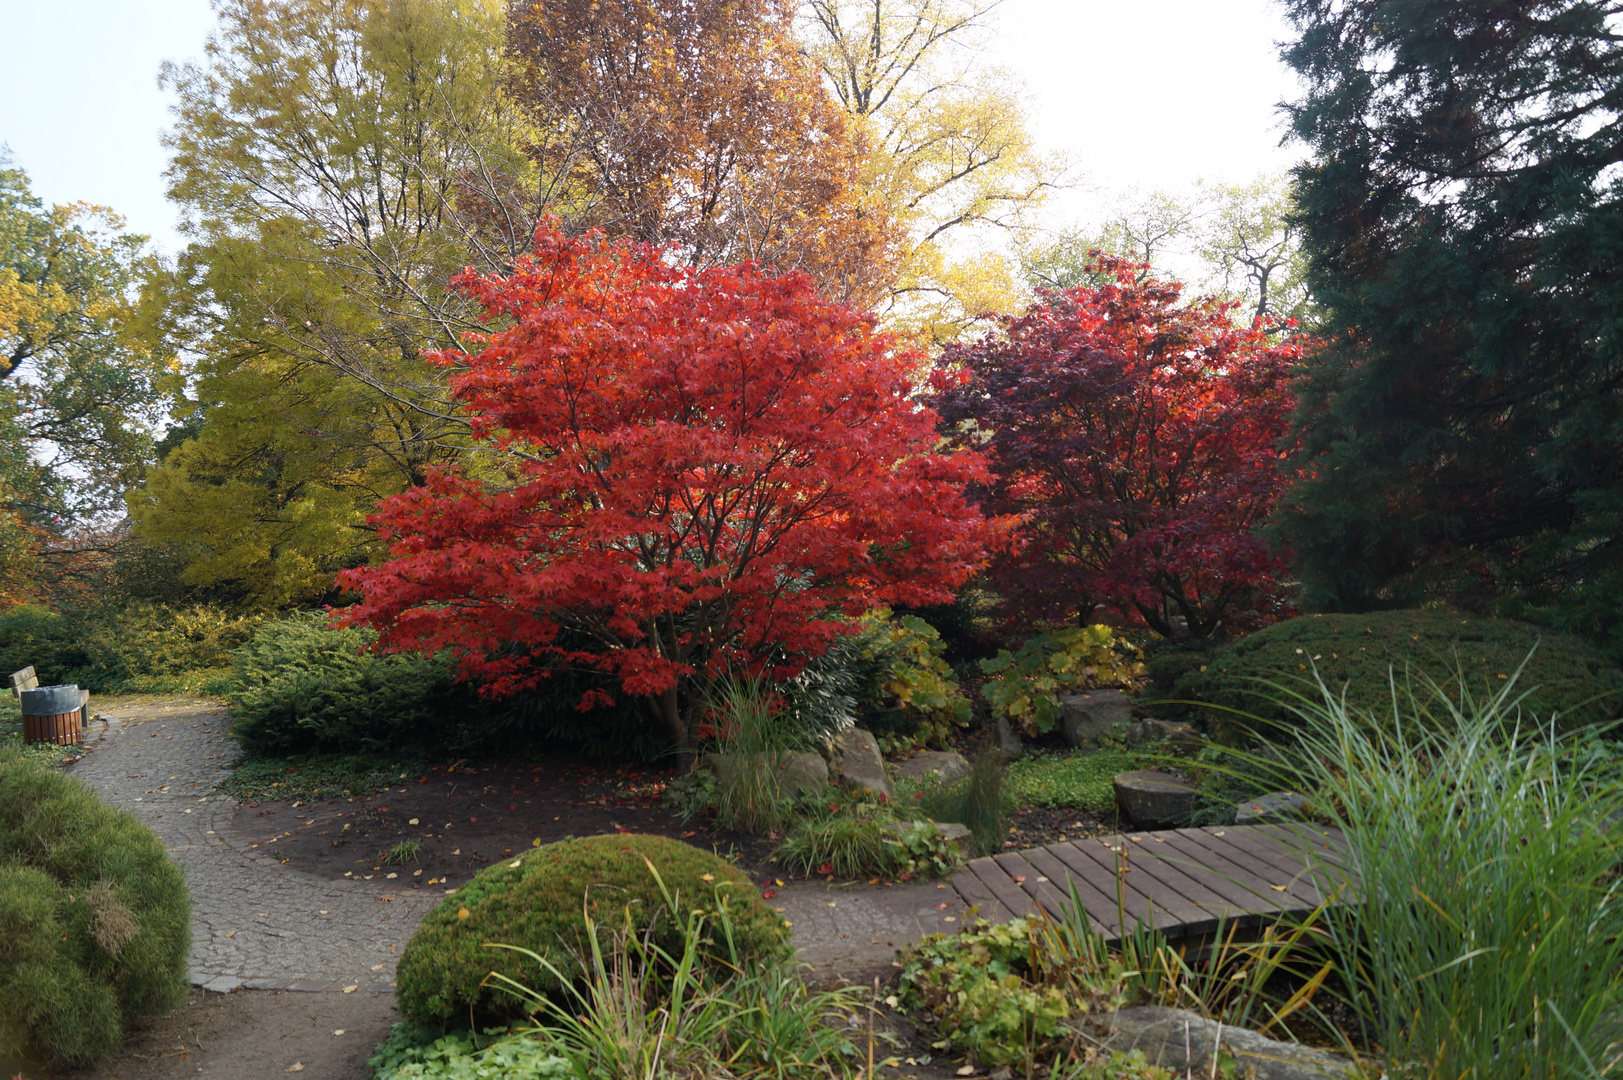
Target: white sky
1151,92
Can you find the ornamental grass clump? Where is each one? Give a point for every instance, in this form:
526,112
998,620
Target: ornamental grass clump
94,920
1486,935
542,901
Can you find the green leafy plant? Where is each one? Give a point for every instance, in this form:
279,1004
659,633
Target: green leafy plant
413,1052
985,997
541,900
1026,685
94,920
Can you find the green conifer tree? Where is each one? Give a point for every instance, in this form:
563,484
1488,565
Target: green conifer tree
1463,219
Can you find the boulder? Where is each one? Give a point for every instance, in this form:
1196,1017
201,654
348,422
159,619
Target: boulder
1152,799
1278,806
858,765
799,774
1088,716
1152,730
947,766
1184,1043
1008,740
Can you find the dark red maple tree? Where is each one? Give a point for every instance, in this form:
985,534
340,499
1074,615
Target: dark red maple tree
693,471
1140,437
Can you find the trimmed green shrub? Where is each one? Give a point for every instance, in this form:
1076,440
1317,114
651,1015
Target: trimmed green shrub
300,686
537,901
137,648
94,920
1356,652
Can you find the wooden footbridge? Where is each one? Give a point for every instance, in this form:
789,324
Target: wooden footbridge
1183,881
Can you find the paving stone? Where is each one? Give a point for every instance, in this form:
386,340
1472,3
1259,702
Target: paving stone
222,984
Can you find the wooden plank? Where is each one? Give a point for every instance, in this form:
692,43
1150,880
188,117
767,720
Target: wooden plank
1300,878
1189,915
23,680
1058,874
973,892
1099,905
1152,857
1042,893
1091,858
1011,897
1235,883
1320,865
1257,873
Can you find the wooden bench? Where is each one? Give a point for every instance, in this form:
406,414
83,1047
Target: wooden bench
63,727
23,680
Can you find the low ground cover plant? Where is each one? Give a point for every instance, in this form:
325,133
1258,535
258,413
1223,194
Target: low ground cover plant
1564,677
1079,781
541,900
94,920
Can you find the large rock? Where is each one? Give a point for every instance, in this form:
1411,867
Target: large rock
858,765
1279,806
799,774
1155,800
1185,1043
1087,716
946,766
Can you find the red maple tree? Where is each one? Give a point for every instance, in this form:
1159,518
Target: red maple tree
1140,437
693,471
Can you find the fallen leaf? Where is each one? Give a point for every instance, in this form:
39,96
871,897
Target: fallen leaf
769,894
1019,879
779,881
351,989
967,1070
413,821
707,877
832,903
949,918
339,1031
513,865
297,1066
1277,888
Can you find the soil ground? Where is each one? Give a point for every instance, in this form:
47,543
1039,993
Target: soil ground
446,823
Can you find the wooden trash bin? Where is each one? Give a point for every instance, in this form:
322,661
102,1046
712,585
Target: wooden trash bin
53,714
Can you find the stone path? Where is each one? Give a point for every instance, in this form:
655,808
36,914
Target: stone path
255,922
258,924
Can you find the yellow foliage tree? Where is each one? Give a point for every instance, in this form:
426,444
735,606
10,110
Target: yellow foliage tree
952,160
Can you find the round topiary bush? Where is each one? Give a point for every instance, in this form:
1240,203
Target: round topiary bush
1357,651
538,900
94,920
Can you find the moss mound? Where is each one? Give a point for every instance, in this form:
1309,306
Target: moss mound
1357,651
537,901
94,920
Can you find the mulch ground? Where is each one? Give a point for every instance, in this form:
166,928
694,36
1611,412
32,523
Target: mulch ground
440,827
435,829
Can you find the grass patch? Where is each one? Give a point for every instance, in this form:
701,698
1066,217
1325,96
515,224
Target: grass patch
1073,781
310,777
404,852
12,747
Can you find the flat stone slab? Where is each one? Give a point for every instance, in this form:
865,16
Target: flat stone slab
1155,799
